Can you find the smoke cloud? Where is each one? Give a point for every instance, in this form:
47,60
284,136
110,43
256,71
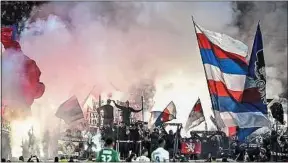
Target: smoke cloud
273,21
81,44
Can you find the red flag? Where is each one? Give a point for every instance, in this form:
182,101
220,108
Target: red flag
70,111
191,147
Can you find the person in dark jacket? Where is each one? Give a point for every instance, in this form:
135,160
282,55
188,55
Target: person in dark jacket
126,112
108,117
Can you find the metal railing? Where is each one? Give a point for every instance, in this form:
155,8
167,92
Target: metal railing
129,141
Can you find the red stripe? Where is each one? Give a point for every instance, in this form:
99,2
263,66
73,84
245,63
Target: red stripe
198,107
165,116
220,89
222,54
204,43
166,111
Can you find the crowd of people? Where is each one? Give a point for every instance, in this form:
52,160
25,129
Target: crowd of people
214,144
160,148
132,141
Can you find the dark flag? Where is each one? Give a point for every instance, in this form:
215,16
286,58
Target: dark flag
70,111
255,87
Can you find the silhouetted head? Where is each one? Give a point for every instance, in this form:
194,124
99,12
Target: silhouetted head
108,101
224,159
21,158
145,152
109,142
127,103
161,142
56,159
170,132
156,130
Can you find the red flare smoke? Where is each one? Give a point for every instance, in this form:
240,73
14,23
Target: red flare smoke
30,86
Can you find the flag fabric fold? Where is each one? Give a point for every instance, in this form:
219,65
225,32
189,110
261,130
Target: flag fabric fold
196,116
157,118
225,65
70,111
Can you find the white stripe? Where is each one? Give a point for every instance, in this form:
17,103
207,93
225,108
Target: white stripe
245,120
219,120
233,82
225,42
227,119
153,117
172,108
193,118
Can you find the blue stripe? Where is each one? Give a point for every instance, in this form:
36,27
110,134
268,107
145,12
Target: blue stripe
242,133
227,66
228,104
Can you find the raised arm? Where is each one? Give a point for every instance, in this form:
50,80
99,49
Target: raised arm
134,111
119,106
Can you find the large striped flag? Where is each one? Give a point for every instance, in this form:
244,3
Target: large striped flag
70,111
157,117
225,66
196,116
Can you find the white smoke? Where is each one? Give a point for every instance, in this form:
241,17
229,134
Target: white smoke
82,44
273,21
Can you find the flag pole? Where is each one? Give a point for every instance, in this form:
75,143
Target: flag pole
198,42
142,107
99,105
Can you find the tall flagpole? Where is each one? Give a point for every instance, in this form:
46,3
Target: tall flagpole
202,61
142,107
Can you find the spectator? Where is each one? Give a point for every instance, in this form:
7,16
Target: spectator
160,154
224,159
143,157
21,159
209,159
32,159
131,158
213,159
71,159
108,154
56,159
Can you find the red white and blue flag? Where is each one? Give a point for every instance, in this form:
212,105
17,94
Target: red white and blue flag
196,116
158,118
225,65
